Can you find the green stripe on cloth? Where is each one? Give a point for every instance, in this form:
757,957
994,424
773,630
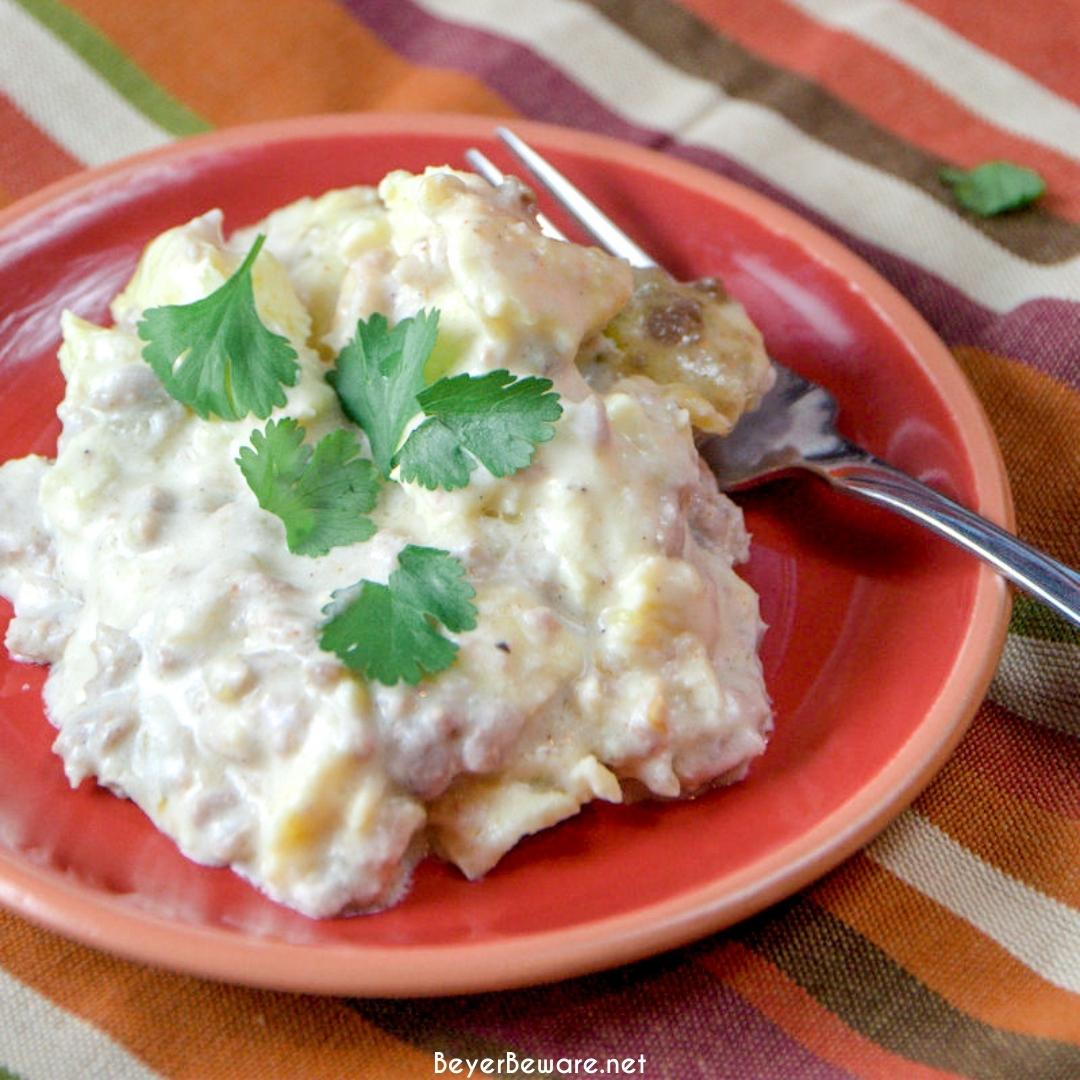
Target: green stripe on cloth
115,68
7,1074
881,1000
1034,620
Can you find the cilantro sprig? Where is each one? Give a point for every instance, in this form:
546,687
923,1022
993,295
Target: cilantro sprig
378,375
320,493
993,187
391,632
215,354
493,419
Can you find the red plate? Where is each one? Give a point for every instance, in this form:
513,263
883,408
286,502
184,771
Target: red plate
882,639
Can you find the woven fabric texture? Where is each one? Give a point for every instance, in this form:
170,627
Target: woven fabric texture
948,947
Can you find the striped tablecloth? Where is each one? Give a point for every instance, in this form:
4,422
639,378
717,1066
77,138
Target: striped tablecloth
951,945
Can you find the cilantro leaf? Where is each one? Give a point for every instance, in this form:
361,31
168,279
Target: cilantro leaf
993,187
385,639
216,355
494,419
390,632
434,581
433,457
321,494
378,375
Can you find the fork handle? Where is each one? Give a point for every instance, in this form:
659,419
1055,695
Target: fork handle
1045,578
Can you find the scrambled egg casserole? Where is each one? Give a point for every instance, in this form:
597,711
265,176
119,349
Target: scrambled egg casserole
614,653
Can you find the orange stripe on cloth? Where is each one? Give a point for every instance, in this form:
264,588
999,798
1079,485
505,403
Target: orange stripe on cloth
1022,840
777,996
1037,421
1040,37
189,1029
30,159
885,91
233,63
946,954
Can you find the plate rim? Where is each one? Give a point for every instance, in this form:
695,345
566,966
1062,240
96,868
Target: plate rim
80,912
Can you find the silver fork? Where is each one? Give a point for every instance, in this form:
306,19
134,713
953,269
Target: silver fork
794,427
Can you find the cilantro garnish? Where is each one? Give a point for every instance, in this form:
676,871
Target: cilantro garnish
494,419
378,375
391,632
216,355
993,187
321,494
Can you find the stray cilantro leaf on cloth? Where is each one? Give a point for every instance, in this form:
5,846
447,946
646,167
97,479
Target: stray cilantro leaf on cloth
390,632
993,187
378,376
494,419
215,354
321,494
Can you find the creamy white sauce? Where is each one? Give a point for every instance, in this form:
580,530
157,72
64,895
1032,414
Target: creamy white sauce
615,648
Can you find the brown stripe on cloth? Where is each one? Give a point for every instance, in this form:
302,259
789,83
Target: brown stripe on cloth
423,1023
189,1029
668,1008
888,92
803,1017
686,42
872,993
945,954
